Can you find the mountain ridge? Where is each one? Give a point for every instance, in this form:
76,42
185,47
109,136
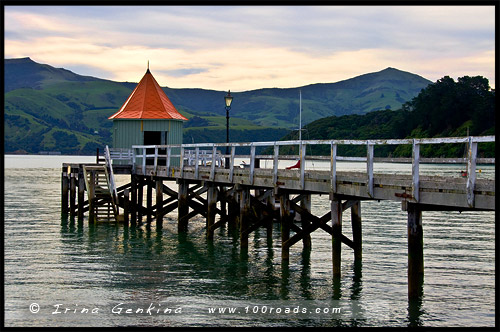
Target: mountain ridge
42,101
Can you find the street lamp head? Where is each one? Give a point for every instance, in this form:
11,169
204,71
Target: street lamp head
228,99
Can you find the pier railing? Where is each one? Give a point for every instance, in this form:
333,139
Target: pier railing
208,154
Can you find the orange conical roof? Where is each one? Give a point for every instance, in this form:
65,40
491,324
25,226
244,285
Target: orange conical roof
148,101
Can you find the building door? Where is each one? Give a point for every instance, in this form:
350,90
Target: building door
155,138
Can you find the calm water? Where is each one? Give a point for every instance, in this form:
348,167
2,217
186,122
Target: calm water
72,274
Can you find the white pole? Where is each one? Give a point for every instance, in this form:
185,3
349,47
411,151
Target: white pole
300,115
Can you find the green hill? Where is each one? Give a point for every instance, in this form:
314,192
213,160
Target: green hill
49,108
443,109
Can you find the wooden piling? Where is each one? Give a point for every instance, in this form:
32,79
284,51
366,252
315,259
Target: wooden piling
223,202
91,197
126,207
183,207
140,197
211,210
356,230
159,203
64,190
133,198
305,203
336,211
244,215
149,200
285,219
415,251
269,227
81,193
234,212
72,194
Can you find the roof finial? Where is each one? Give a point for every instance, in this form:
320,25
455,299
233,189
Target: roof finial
148,67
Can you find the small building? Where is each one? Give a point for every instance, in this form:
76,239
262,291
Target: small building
148,117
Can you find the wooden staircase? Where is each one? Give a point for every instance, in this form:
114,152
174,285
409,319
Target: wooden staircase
102,205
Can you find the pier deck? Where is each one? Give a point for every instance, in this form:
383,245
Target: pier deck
442,193
245,198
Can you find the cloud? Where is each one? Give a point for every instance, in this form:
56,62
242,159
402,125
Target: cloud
250,47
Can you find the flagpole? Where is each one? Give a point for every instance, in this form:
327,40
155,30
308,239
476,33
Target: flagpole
300,115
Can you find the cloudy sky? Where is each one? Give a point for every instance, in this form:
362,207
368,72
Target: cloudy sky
249,47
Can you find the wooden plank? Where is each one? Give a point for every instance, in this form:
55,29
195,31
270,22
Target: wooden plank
471,172
182,163
212,166
231,167
302,164
196,162
432,190
333,168
415,172
275,167
252,164
369,169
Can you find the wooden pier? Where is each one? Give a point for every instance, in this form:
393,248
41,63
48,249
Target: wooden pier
246,198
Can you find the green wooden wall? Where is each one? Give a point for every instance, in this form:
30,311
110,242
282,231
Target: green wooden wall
128,132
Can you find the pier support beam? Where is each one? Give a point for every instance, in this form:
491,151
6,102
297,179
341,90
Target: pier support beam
91,197
159,203
64,190
305,203
72,194
336,211
140,196
133,198
211,210
285,217
271,200
183,206
81,193
149,200
126,207
356,230
233,207
415,251
244,216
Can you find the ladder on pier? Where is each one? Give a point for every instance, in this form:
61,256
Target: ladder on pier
101,189
100,193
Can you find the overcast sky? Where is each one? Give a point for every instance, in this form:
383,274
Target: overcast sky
249,47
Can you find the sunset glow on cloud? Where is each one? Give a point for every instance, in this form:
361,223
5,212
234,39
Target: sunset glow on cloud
244,48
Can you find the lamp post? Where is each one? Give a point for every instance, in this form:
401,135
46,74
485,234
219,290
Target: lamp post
228,99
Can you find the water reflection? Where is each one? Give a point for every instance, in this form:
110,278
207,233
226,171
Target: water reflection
162,263
415,311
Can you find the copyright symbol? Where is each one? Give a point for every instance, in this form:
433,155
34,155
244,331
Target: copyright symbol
34,308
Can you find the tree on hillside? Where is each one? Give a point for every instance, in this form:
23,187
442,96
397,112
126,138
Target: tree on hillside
445,105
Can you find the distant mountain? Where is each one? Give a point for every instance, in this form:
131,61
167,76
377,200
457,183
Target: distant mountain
26,73
49,108
443,109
